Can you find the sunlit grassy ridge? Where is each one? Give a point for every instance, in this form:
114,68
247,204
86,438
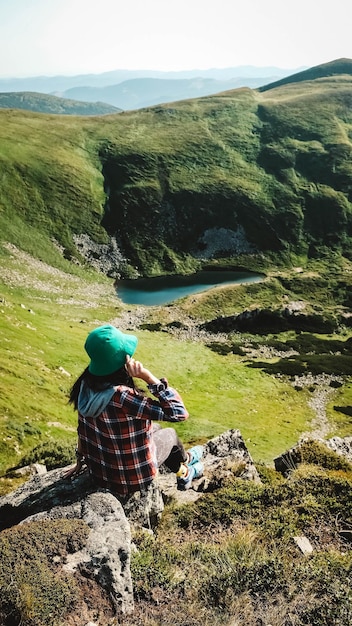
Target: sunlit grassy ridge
45,103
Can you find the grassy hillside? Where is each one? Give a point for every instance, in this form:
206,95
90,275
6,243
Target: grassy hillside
277,164
334,68
46,313
51,183
45,317
43,103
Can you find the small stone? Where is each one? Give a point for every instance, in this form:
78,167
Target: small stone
304,544
63,371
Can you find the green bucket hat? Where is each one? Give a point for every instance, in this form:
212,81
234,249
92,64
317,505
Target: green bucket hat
107,348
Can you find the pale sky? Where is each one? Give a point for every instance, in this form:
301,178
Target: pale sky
50,37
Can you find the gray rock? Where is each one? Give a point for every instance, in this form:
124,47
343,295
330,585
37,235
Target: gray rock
226,451
104,257
29,470
44,492
223,456
303,544
290,459
341,446
106,556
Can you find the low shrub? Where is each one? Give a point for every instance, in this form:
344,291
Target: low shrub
52,455
316,453
34,591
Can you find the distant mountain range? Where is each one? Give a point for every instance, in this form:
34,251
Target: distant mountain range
139,93
135,89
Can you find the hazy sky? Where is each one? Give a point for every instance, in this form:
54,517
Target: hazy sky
49,37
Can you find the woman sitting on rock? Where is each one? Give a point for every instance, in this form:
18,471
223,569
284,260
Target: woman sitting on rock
118,438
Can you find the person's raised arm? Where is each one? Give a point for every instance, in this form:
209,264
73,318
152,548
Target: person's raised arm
169,405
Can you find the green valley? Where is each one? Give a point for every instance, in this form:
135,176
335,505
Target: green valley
271,164
257,180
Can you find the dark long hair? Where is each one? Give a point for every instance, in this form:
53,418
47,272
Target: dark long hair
98,383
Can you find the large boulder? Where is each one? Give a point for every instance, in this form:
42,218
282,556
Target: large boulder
105,557
45,492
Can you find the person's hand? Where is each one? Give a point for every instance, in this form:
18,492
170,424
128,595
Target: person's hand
137,370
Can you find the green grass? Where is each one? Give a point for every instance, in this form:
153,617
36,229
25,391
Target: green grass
33,589
223,392
46,313
276,162
232,553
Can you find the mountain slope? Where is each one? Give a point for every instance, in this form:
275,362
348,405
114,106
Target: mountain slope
334,68
272,168
42,103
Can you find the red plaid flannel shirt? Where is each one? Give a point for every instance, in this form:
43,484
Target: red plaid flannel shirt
118,445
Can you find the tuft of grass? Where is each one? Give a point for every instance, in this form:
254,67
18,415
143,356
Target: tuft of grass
316,453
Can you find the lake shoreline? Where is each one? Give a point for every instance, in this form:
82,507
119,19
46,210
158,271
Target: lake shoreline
163,290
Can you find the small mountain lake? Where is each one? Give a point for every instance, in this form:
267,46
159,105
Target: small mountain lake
166,289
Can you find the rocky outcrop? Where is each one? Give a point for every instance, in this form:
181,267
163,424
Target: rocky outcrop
47,492
224,456
342,446
264,321
223,240
292,458
106,258
106,555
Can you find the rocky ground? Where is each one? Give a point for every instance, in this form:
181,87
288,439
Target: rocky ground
322,386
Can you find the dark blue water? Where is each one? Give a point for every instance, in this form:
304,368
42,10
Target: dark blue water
165,289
